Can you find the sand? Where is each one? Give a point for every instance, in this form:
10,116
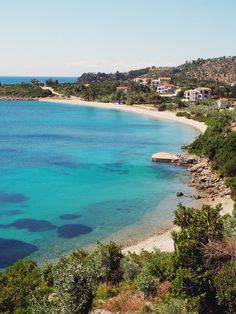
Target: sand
135,109
162,241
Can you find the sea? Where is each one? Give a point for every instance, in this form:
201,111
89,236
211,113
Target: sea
28,79
72,175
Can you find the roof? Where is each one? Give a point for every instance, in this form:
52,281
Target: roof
122,87
202,88
164,78
167,85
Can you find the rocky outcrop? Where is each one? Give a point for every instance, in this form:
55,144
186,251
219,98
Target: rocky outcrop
202,176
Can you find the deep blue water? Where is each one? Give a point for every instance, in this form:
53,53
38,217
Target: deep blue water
27,79
72,175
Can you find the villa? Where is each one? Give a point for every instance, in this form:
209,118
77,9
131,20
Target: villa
164,79
166,88
142,80
200,93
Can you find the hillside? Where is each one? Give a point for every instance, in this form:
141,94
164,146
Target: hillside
222,69
217,69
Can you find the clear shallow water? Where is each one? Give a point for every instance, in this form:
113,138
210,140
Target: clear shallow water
72,175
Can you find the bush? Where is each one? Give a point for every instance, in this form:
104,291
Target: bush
17,285
193,279
108,257
160,265
130,268
225,284
75,284
147,283
183,114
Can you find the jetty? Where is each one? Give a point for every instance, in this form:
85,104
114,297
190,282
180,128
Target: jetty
164,157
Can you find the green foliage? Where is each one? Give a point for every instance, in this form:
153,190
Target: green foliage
183,114
192,278
160,265
172,306
74,284
218,143
24,91
108,258
130,267
225,284
147,283
16,286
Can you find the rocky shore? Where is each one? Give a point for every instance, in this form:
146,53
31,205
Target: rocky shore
202,176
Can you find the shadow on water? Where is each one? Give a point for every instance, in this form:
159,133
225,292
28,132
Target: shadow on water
12,250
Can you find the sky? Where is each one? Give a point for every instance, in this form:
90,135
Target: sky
69,37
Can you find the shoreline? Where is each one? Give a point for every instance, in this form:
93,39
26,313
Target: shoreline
167,115
162,240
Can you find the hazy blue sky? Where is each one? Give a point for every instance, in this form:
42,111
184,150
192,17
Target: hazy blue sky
68,37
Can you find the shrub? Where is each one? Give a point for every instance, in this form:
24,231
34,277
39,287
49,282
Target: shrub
16,286
147,283
160,265
225,283
183,114
75,284
108,258
192,278
130,268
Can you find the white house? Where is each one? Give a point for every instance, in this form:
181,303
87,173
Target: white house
142,80
166,88
154,83
200,93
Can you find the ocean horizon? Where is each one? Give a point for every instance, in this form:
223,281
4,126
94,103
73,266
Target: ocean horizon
73,175
27,79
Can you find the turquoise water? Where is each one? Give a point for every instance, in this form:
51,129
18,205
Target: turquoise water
72,175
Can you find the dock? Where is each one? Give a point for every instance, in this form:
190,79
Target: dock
164,157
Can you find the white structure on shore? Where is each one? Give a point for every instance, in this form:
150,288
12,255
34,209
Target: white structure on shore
200,93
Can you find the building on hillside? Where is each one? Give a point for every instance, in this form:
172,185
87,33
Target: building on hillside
166,88
142,80
123,89
200,93
154,83
164,79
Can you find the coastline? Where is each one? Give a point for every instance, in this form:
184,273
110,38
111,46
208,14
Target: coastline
134,109
163,240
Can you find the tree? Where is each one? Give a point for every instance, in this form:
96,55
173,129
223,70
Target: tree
193,279
74,284
109,257
17,285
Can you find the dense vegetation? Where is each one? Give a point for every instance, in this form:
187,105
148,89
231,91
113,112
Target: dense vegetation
23,91
222,69
117,76
106,92
218,143
198,277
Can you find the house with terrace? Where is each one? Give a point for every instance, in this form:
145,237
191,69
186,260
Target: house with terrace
200,93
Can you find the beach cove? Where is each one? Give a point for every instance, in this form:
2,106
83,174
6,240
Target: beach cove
162,240
65,192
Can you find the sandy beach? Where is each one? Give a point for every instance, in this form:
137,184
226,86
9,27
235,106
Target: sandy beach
163,240
134,109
